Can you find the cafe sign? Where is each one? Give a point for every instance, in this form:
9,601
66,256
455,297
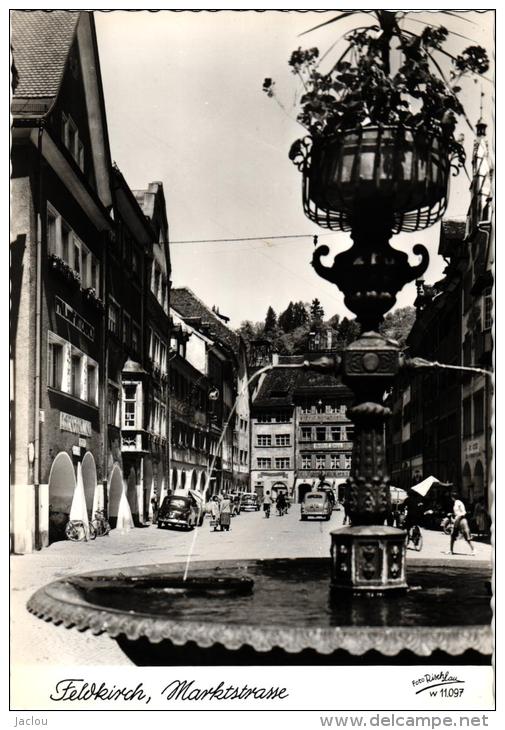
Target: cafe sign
74,424
75,319
472,448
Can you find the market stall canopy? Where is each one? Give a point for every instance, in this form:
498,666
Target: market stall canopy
424,487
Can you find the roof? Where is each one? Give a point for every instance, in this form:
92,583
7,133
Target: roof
454,228
293,382
41,41
187,304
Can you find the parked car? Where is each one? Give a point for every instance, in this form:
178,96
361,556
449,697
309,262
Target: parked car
316,504
180,511
250,502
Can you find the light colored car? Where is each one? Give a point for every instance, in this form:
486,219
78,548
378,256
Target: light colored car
316,504
249,502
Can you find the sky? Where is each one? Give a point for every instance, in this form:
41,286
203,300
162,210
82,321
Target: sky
185,106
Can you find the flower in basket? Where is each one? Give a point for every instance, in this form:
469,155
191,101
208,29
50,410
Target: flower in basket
362,89
381,123
92,297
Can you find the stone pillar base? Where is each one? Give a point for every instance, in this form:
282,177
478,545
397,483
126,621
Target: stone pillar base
368,559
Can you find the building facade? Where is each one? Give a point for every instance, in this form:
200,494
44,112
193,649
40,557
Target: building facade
61,226
90,273
300,432
441,422
227,399
477,390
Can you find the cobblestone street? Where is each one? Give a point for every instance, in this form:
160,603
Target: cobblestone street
251,536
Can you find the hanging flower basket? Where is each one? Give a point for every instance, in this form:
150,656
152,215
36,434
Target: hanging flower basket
381,121
93,299
64,271
403,172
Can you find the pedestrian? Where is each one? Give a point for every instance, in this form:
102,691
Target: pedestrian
281,504
155,509
215,512
225,513
347,500
267,504
460,522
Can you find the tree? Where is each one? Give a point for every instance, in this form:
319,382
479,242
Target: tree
270,321
398,323
286,319
300,315
316,310
348,331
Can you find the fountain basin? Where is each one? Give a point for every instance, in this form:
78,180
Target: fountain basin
446,612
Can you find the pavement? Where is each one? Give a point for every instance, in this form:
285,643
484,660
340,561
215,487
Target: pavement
252,536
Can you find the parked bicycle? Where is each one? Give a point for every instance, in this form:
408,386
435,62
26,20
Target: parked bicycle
76,530
415,537
100,523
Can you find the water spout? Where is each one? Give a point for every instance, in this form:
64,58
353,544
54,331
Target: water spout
209,471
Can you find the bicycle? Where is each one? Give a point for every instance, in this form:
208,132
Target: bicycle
75,530
100,523
415,537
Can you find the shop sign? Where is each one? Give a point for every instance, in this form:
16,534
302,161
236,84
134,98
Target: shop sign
75,319
74,424
472,448
280,475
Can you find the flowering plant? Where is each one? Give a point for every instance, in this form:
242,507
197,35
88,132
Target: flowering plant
61,267
362,90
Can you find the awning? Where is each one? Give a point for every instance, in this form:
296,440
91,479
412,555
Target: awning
424,487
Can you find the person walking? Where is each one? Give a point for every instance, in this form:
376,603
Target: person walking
347,500
267,504
225,513
460,522
215,512
281,504
155,510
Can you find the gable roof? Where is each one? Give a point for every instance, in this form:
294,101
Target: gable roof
41,41
189,306
281,386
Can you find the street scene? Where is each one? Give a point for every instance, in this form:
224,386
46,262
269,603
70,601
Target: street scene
252,376
254,536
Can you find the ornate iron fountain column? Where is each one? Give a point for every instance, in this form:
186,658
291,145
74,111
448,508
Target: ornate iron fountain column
369,556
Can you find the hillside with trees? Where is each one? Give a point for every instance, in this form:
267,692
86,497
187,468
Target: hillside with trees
288,331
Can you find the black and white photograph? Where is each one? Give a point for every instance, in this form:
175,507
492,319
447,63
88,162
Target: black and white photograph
252,356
